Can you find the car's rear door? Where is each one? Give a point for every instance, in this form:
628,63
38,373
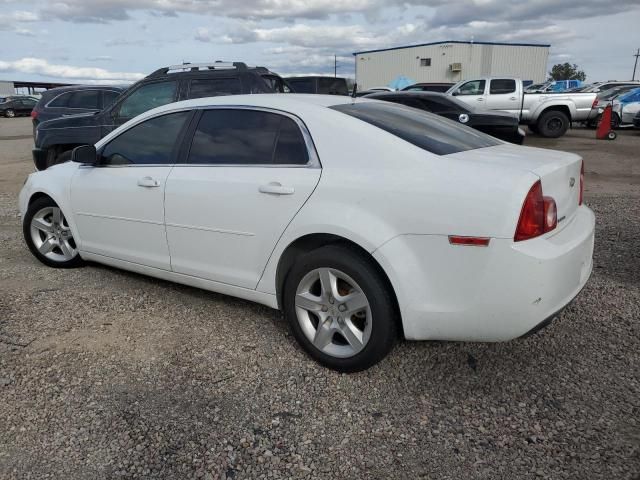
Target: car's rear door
244,176
503,95
118,205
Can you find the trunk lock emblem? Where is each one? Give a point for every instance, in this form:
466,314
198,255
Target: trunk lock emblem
572,181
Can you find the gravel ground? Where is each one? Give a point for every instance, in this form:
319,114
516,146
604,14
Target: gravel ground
108,374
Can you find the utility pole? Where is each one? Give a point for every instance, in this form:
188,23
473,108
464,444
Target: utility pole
635,64
335,66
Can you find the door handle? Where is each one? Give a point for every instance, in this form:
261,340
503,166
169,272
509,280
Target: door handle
276,189
148,182
513,98
480,99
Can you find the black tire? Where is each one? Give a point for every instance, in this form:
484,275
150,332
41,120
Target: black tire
9,113
612,135
553,124
532,128
615,120
382,310
35,208
56,156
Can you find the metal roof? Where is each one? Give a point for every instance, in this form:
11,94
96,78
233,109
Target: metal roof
455,41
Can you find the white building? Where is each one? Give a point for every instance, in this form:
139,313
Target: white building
451,61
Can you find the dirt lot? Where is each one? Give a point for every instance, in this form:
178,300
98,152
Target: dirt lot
108,374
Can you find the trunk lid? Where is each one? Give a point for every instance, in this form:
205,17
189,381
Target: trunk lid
559,172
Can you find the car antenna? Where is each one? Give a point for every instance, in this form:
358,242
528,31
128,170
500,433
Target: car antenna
354,91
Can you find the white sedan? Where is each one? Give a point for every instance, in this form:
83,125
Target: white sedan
361,220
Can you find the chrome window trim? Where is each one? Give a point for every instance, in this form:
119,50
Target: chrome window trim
313,162
79,90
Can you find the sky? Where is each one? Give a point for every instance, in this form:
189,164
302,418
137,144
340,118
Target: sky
120,41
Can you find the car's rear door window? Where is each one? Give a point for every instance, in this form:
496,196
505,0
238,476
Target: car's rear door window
502,86
425,130
215,87
152,142
87,99
247,137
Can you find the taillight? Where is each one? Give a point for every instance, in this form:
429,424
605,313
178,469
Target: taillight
581,184
595,103
539,214
34,114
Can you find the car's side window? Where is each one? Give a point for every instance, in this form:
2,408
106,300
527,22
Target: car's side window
247,137
502,86
151,142
474,87
147,97
109,97
84,99
215,87
60,101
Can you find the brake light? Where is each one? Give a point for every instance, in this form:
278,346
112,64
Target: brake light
595,103
469,241
34,114
539,215
581,183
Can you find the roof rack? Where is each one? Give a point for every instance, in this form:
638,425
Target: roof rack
196,67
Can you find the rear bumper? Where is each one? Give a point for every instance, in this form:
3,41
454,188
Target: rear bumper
495,293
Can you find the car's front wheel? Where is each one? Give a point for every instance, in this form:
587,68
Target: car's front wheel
340,308
48,236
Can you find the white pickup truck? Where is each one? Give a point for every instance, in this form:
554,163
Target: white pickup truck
548,114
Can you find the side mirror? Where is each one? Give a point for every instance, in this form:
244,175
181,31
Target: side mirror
455,93
85,154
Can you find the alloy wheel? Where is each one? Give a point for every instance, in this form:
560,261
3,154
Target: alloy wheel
333,312
52,236
10,113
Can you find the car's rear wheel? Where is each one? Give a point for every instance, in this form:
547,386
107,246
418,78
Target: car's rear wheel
553,124
340,308
9,113
48,236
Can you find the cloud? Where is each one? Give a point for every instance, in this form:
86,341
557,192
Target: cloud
100,58
12,21
39,66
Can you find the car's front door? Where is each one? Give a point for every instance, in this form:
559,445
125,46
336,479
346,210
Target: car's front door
145,97
246,175
473,93
502,95
119,204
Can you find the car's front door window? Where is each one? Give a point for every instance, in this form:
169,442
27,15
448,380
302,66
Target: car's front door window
474,87
145,98
151,142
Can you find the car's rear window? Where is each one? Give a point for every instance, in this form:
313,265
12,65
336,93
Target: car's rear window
430,132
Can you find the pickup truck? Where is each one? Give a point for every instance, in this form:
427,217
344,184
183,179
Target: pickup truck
548,114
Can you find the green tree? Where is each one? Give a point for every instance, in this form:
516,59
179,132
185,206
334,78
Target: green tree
566,71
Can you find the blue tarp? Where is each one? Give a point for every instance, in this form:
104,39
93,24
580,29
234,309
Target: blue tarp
400,82
630,96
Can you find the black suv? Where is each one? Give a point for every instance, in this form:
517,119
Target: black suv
65,101
321,85
55,139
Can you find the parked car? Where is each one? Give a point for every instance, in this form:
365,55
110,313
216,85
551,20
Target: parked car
373,220
55,139
602,100
65,101
598,87
625,107
318,84
549,114
428,87
498,124
16,107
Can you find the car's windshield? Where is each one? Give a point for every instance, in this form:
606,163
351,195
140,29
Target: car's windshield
425,130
